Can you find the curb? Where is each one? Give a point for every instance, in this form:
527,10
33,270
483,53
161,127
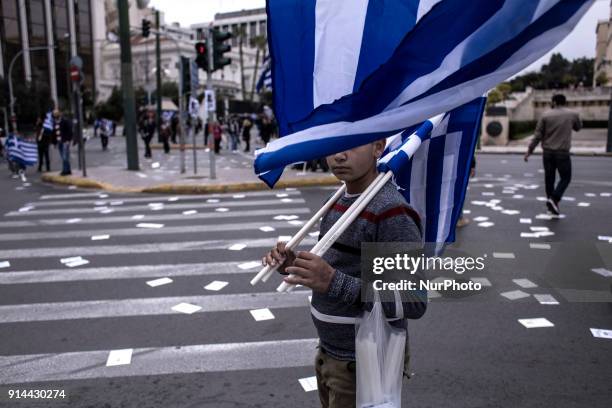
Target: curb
188,188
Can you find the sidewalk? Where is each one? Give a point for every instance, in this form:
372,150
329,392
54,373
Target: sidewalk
162,174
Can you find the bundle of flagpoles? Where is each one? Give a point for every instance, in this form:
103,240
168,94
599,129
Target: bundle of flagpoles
407,148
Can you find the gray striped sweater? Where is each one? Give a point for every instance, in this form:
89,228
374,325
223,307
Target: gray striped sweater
387,218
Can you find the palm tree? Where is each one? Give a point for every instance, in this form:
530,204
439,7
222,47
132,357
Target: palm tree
259,43
241,34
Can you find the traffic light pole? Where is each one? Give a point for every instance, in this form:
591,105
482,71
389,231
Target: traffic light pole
158,76
210,114
127,85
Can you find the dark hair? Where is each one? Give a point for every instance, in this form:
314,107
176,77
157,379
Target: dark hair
559,100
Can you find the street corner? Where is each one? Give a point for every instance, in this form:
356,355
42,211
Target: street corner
83,182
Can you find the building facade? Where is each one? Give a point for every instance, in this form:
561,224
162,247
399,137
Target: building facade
65,26
603,50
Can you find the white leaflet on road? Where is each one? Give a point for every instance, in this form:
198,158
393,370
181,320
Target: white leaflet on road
138,217
486,224
295,222
237,247
605,194
239,196
172,199
155,165
212,200
568,198
308,383
284,238
100,237
546,299
286,217
281,195
511,212
71,259
534,229
107,211
190,212
78,262
482,281
541,198
503,255
603,272
602,333
186,308
488,193
73,220
261,314
525,220
216,285
467,211
267,228
249,265
221,209
515,294
604,238
159,282
149,225
529,235
544,217
286,200
481,219
525,283
536,323
72,187
314,233
583,204
590,194
119,357
116,203
518,196
5,264
535,245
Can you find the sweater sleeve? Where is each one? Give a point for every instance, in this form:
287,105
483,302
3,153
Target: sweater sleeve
537,137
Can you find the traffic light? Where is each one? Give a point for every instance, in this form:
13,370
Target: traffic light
220,48
202,55
146,27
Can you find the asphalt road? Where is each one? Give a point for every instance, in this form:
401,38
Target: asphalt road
58,324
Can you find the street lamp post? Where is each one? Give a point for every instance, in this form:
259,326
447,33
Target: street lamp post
10,77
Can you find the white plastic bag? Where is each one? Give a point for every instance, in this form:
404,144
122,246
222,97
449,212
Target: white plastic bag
379,353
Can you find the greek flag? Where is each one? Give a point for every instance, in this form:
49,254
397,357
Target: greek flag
348,72
48,123
431,167
265,79
21,151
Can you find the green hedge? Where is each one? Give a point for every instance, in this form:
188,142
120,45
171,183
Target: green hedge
521,129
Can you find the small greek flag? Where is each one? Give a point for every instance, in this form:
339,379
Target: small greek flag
21,151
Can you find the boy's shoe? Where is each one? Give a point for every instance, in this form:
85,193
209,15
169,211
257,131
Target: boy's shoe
462,222
552,206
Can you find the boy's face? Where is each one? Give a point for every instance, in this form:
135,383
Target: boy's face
353,164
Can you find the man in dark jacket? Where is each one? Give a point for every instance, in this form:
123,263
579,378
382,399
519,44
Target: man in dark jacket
62,130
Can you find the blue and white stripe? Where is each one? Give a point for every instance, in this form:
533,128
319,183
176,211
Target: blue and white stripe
265,79
48,123
22,151
347,73
431,168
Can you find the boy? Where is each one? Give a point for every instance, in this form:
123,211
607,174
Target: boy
335,277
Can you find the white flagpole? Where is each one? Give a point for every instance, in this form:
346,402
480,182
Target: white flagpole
268,270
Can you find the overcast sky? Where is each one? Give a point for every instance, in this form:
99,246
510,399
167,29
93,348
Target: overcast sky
580,43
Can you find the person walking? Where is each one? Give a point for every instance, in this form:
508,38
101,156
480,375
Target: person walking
554,131
106,129
148,130
233,129
63,136
44,137
246,133
217,135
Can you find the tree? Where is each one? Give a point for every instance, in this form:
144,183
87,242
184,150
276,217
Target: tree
559,73
494,97
260,42
241,34
602,79
112,108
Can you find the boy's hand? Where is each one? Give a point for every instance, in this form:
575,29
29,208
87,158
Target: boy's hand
279,255
312,271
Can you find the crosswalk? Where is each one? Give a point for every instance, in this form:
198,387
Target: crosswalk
194,244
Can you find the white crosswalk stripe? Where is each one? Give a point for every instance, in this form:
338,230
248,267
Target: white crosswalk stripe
156,361
153,216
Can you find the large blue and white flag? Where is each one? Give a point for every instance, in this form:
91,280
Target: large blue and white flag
21,151
431,168
348,72
49,122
